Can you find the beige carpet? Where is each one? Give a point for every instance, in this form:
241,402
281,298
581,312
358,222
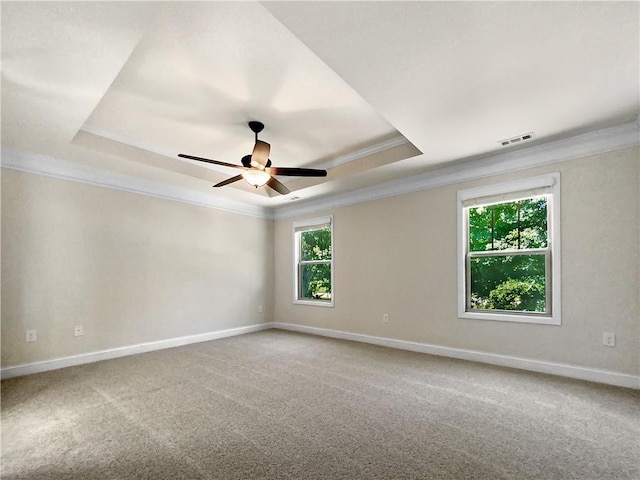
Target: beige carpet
281,405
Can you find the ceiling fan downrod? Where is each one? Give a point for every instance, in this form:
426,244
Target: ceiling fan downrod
256,127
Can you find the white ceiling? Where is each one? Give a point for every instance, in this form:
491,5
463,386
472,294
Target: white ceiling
373,91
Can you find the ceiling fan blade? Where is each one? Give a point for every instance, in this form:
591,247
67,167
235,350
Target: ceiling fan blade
215,162
228,181
278,186
260,154
297,172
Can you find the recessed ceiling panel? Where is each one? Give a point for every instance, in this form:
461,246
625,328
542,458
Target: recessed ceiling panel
204,69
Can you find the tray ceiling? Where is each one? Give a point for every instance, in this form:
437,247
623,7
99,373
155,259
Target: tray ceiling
373,91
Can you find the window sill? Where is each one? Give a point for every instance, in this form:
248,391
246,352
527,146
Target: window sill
505,317
318,303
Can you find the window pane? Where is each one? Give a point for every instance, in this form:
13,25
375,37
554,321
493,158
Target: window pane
315,282
533,223
480,229
315,244
508,282
509,226
505,226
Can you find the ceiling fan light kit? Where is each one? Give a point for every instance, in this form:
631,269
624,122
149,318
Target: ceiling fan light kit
257,171
256,177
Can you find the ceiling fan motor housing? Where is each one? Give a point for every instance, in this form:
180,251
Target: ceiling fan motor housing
246,161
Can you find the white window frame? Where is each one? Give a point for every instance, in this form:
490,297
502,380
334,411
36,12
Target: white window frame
298,227
511,190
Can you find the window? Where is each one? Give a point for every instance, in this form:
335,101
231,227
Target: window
313,246
509,251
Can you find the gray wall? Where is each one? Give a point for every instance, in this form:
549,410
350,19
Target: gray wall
129,268
398,255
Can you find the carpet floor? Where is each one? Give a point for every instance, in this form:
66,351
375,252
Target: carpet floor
283,405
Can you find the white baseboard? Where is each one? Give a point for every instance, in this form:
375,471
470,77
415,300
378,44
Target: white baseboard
46,365
561,369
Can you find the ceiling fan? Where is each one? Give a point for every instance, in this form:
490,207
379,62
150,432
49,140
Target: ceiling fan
257,166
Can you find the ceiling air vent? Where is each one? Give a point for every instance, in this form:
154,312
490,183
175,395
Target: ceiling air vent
520,138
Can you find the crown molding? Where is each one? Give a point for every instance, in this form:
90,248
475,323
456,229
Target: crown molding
363,152
593,143
52,167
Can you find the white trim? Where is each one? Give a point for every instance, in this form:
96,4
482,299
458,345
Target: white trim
506,317
310,222
364,152
601,141
61,169
317,303
551,180
553,368
83,358
529,183
561,369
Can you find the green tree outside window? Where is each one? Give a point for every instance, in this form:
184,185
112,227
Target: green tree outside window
314,268
507,259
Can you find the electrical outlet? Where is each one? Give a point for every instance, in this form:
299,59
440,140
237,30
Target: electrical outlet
385,317
78,331
260,309
609,339
31,336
